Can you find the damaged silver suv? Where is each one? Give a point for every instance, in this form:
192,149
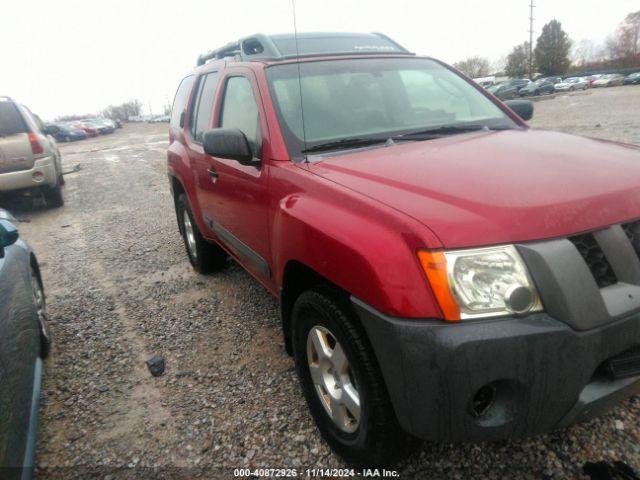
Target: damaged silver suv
29,157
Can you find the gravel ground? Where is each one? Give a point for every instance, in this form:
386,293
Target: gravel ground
120,290
611,113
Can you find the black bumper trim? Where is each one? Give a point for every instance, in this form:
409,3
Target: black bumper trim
542,371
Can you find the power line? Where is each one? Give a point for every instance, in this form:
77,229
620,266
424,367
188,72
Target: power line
531,6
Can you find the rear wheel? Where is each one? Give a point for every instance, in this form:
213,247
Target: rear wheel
342,382
205,257
53,196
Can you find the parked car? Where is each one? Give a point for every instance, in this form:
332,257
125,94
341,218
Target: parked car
422,284
159,119
100,126
63,133
24,341
610,80
632,79
509,89
539,87
91,131
571,84
29,157
593,78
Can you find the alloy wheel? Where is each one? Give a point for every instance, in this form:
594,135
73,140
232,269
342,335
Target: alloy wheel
333,379
41,306
189,234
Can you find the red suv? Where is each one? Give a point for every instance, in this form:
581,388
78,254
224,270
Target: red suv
442,269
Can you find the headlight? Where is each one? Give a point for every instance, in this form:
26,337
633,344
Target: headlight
483,282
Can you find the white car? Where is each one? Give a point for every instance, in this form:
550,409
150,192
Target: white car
29,156
571,84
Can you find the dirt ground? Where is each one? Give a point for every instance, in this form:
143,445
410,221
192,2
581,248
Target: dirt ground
120,290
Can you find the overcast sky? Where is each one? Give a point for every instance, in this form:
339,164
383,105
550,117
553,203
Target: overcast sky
67,56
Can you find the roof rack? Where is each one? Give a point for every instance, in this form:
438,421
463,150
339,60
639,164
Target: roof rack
262,47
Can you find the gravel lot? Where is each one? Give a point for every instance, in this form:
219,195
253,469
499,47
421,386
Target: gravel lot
120,290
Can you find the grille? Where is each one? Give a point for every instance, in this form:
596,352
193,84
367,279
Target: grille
595,258
633,232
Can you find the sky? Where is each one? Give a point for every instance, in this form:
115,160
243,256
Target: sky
66,56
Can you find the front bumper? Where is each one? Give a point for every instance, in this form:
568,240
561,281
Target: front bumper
23,179
542,372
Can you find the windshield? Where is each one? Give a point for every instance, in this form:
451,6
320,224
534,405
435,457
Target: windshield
380,97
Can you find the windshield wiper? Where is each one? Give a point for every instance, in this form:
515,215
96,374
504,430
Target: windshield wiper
444,130
345,143
436,132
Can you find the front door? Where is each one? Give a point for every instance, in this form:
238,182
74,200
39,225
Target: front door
235,206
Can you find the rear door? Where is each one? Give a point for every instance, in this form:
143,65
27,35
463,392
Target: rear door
15,148
200,115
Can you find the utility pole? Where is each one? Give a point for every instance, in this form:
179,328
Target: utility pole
531,5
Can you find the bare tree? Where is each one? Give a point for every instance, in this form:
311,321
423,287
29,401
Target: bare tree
583,52
625,44
517,64
474,67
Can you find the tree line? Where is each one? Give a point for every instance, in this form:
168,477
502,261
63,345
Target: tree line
122,112
556,54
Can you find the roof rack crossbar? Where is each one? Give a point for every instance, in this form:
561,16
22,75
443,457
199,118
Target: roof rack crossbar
229,50
263,47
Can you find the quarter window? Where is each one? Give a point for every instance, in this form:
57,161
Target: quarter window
201,116
240,110
180,100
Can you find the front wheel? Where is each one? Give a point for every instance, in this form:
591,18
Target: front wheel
205,257
342,382
41,308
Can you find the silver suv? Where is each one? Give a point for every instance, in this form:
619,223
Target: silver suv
29,156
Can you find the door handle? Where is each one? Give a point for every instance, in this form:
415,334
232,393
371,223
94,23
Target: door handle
212,173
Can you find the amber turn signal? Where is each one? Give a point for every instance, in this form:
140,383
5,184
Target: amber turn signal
434,265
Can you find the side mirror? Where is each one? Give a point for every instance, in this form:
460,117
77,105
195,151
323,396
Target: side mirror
228,143
8,235
523,108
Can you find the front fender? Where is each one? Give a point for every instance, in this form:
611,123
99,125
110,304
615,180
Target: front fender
370,254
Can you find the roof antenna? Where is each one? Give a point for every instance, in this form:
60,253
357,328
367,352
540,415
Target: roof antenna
295,35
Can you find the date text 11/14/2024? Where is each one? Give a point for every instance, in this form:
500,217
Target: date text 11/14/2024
316,472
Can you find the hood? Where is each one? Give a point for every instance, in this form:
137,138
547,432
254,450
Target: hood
495,187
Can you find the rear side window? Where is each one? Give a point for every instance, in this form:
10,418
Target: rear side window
11,122
180,100
201,115
240,110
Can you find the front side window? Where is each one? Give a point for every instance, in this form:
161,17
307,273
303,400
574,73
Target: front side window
240,110
354,98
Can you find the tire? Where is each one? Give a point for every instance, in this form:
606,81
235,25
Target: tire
53,196
67,139
204,257
571,89
43,318
370,436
